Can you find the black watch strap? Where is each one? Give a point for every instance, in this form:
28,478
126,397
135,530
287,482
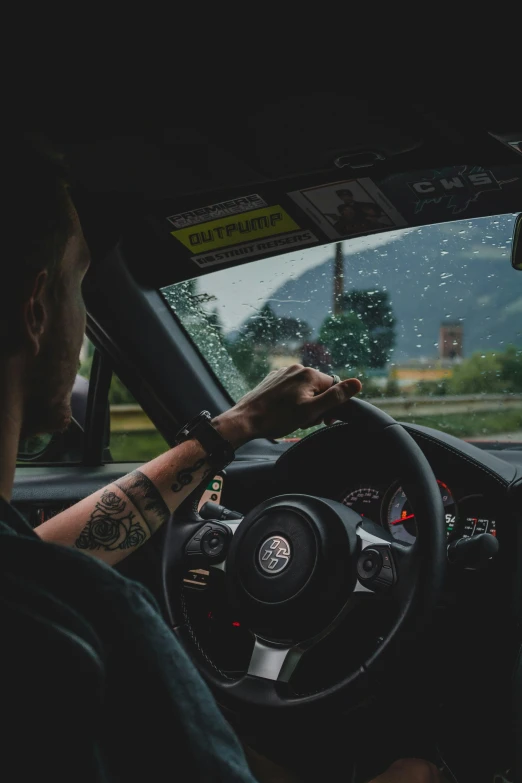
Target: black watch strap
220,452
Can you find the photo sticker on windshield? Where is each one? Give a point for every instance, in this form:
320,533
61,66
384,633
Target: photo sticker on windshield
348,208
233,206
247,250
234,230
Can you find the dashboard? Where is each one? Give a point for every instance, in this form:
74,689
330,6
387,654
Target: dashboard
466,514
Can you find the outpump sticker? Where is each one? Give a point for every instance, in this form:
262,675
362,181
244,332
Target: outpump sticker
232,206
347,208
246,250
234,230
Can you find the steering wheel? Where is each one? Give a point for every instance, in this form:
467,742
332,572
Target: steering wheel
293,564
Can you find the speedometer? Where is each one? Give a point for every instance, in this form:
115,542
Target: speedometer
366,501
401,519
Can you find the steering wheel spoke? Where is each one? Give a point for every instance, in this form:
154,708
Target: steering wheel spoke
273,662
221,564
382,561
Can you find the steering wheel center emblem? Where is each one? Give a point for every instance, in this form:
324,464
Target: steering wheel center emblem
274,555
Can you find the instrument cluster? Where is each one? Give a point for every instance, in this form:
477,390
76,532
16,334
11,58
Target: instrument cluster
465,514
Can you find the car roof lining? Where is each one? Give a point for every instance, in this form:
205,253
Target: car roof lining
130,175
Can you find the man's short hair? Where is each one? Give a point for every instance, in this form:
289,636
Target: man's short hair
37,222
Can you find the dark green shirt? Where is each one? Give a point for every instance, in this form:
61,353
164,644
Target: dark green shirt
94,685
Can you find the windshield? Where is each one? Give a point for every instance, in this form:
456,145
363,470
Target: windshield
430,319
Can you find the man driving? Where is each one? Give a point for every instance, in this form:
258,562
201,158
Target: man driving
95,685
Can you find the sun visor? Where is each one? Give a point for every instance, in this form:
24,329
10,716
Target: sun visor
180,239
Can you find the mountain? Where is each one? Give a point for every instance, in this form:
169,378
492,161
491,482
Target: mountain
449,272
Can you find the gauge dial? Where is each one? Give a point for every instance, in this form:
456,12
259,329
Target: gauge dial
366,501
401,519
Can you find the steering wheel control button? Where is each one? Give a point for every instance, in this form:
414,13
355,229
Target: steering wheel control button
369,564
274,555
385,577
213,542
386,558
201,532
209,542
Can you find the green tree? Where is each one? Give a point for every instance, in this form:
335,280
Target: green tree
204,327
292,330
119,394
432,388
252,362
511,364
480,374
346,339
376,314
267,328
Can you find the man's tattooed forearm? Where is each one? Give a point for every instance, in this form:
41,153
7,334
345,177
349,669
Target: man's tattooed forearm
111,526
143,494
185,476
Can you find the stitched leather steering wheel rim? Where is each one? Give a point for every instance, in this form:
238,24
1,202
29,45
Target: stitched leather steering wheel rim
418,573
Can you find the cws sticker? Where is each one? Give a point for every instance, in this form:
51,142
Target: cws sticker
348,208
224,208
455,187
284,243
225,232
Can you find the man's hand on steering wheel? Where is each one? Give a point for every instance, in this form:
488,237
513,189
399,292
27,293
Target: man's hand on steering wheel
287,399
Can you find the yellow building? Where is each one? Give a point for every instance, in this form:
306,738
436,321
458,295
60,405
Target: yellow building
408,376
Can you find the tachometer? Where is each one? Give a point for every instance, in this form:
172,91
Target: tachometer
366,501
401,519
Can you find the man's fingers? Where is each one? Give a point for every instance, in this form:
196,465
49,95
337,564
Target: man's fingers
320,381
334,396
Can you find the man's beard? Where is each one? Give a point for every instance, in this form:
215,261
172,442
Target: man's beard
49,385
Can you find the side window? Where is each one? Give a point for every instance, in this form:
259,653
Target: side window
133,436
67,446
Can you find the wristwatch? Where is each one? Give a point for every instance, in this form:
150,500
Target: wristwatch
220,452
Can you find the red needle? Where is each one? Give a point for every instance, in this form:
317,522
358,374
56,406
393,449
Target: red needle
398,521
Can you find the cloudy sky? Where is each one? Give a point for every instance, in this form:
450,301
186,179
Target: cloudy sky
241,290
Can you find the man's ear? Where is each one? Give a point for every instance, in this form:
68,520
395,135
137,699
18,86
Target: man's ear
35,313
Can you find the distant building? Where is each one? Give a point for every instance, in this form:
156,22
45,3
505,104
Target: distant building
409,374
451,341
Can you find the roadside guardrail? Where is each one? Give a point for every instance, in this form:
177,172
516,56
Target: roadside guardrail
131,418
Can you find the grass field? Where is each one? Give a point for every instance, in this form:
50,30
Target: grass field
144,446
136,446
462,425
472,425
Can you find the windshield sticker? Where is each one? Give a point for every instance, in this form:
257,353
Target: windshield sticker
455,187
225,232
247,250
233,206
347,208
516,145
